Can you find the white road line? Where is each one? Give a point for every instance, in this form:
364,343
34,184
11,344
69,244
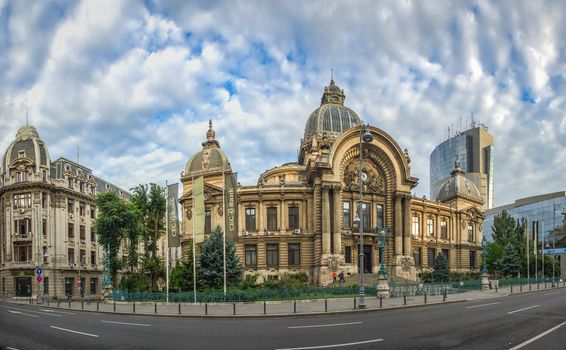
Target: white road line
333,345
552,293
325,325
21,313
473,307
9,348
72,331
59,312
538,336
526,308
128,323
35,312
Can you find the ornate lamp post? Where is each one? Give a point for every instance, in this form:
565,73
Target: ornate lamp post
382,285
484,274
367,137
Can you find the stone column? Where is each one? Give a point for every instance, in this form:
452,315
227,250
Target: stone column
325,220
398,226
336,230
407,225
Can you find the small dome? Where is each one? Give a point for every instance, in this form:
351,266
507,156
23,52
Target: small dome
332,116
27,145
458,185
210,158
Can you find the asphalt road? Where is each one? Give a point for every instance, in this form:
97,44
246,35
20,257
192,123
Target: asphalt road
498,323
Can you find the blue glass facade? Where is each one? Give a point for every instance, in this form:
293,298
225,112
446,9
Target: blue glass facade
543,215
443,157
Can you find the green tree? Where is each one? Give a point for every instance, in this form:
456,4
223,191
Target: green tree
117,220
510,263
182,273
440,268
211,262
506,230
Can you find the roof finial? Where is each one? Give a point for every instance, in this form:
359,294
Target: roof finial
210,134
331,76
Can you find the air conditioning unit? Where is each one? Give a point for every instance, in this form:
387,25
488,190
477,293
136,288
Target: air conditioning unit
297,231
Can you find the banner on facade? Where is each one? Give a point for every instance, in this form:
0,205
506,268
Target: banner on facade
172,215
231,206
198,209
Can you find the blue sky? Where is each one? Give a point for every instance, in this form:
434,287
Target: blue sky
134,83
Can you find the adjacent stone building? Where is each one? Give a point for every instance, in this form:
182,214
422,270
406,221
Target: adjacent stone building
299,217
46,221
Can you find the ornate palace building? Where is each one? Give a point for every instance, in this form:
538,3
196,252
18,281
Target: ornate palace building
300,216
46,221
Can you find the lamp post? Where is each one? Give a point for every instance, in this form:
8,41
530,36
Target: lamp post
382,284
367,137
484,274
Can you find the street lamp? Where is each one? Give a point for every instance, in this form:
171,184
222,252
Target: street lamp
484,274
367,137
382,285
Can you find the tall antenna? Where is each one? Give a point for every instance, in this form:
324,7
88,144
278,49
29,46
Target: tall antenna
27,119
78,154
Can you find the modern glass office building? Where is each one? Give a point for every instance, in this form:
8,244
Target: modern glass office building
474,149
543,213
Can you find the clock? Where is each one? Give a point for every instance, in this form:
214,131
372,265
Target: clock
364,176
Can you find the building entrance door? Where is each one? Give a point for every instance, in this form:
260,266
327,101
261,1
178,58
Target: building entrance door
23,286
367,259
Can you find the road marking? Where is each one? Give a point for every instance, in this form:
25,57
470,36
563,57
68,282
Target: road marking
552,293
333,345
59,312
35,312
9,348
473,307
326,325
526,308
21,313
128,323
538,336
72,331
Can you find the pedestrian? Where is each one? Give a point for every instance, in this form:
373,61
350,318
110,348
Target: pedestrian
333,276
342,279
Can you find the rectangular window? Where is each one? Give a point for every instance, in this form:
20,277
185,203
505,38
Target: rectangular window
471,237
273,255
82,232
92,212
45,256
71,231
92,234
93,284
43,200
293,218
417,256
415,226
366,217
250,219
348,255
207,221
46,285
251,255
82,186
430,227
22,201
70,206
430,257
22,227
93,258
444,229
272,218
472,259
346,214
44,227
69,285
82,209
446,253
82,256
380,216
44,175
294,251
70,183
71,256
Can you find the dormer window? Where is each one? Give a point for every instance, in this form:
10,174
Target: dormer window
70,183
21,154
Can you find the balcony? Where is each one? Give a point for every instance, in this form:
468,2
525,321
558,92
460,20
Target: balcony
22,238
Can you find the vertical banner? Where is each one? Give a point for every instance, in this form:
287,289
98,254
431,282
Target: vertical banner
198,209
173,215
231,205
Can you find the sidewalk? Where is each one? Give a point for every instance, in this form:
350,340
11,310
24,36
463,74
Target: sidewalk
280,308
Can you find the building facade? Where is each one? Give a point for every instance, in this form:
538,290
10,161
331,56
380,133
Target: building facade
299,217
46,222
474,149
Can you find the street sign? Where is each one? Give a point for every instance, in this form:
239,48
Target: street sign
78,282
39,271
39,279
555,251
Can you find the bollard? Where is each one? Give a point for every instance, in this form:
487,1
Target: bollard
425,298
134,307
404,299
97,307
48,302
511,289
538,286
496,287
380,301
294,306
57,303
444,295
69,303
114,305
264,307
521,288
82,305
234,306
325,305
179,308
354,303
545,284
154,307
206,308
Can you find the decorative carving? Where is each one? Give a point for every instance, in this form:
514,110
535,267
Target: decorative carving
205,159
325,142
220,211
189,214
371,179
406,263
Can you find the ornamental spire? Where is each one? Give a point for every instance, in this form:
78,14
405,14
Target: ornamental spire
210,137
